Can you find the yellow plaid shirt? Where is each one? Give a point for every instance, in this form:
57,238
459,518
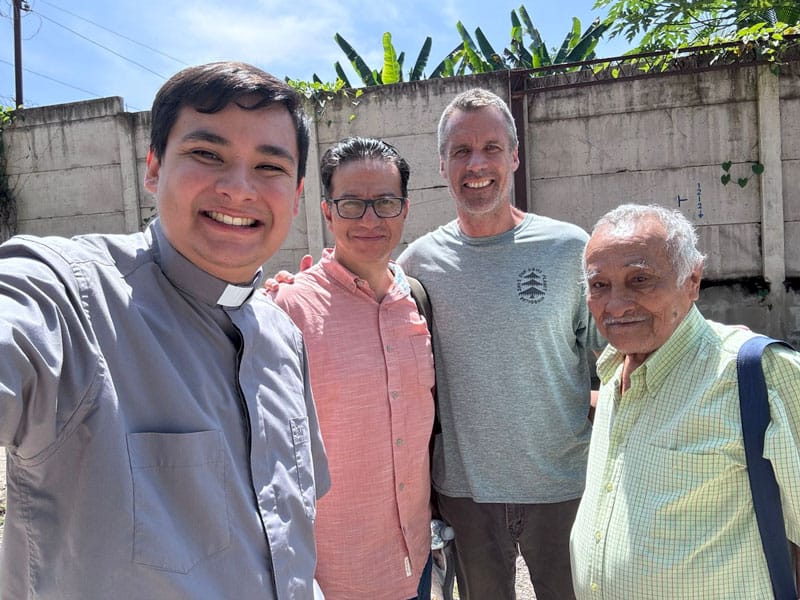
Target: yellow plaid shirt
667,510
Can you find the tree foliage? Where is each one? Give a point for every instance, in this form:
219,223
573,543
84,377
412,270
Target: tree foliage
666,25
392,69
476,54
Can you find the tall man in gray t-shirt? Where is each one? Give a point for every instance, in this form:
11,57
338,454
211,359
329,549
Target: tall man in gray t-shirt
512,337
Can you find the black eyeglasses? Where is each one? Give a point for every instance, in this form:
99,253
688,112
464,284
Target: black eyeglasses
355,208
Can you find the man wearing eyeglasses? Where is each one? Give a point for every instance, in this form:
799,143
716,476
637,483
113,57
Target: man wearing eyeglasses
372,375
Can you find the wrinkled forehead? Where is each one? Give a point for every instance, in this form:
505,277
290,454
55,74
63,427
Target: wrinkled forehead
641,246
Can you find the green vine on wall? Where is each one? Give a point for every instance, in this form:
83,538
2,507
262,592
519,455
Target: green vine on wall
321,93
8,205
756,167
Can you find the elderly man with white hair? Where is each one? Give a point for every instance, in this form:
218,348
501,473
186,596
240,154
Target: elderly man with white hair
667,511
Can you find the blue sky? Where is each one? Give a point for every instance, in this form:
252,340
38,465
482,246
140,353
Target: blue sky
75,51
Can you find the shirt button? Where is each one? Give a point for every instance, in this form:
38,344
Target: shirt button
388,347
399,441
395,395
402,486
597,535
595,587
609,487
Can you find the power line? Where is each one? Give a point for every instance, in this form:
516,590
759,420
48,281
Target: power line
74,87
107,49
130,39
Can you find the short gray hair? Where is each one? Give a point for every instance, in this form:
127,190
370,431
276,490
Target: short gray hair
473,99
681,236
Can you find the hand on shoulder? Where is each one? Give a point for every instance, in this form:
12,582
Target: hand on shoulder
273,284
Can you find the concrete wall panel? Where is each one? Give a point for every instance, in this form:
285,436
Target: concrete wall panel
74,225
74,193
588,149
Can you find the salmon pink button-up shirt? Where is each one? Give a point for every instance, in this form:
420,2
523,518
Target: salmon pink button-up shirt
371,375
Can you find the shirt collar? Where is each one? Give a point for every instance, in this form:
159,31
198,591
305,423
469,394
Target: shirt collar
352,282
658,365
194,281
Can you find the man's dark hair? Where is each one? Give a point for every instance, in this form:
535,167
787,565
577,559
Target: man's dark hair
361,148
211,87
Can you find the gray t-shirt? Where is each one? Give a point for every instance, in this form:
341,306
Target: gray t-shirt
512,337
160,445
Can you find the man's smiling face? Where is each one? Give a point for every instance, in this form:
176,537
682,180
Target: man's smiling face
226,187
478,161
634,293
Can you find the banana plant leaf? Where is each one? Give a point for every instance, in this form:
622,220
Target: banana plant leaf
534,34
417,72
569,42
584,50
466,38
446,67
341,74
360,67
391,72
489,55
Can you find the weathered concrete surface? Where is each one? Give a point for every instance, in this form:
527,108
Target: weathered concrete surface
78,167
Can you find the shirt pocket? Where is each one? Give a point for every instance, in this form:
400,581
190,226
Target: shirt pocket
423,353
304,466
180,509
684,497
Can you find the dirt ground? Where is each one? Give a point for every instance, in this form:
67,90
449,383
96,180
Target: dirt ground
523,586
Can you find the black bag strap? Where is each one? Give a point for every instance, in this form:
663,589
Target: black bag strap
420,295
766,495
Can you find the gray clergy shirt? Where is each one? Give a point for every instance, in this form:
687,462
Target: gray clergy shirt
160,445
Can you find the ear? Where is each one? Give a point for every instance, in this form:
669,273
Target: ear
515,158
692,283
326,212
441,168
406,208
151,172
296,208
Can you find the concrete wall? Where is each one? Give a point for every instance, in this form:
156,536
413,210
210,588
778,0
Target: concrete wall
78,167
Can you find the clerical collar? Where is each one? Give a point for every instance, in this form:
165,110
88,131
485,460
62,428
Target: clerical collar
194,281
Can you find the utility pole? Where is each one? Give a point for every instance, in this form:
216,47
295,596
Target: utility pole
18,50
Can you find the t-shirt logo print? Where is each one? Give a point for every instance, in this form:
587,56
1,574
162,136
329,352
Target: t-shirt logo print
532,285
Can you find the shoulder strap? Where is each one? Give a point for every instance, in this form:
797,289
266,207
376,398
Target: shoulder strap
766,495
421,298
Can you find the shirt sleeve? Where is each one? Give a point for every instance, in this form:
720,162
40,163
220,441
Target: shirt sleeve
406,261
782,439
48,358
322,478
